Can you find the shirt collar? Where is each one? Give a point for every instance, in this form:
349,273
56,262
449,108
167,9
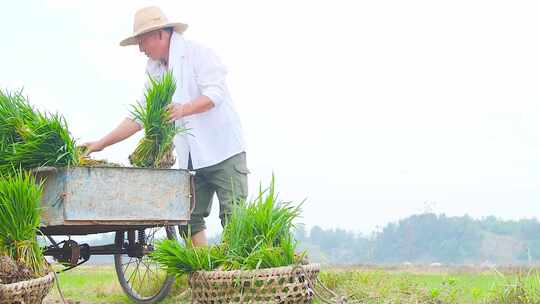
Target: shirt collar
177,50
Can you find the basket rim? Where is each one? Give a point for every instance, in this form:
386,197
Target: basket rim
46,279
255,272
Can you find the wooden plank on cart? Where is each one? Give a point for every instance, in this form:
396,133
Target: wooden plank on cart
115,196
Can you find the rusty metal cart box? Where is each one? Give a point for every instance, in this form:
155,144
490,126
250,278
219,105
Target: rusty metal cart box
114,196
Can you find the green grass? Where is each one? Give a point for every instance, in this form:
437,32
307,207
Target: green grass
99,284
370,285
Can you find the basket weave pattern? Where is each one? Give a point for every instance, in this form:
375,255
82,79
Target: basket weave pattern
292,284
26,292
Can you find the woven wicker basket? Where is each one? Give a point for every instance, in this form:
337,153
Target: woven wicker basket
26,292
292,284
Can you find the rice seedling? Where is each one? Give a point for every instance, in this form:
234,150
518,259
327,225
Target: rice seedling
258,235
20,212
179,259
87,161
155,150
30,138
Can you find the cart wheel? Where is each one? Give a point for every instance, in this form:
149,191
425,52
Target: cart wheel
141,278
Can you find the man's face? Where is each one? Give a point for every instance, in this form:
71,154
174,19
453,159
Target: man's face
154,44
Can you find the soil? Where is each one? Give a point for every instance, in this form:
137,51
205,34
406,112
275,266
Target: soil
13,272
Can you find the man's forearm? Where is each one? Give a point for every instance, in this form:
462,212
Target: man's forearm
124,130
197,105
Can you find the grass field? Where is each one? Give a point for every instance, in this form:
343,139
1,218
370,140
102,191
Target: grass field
98,284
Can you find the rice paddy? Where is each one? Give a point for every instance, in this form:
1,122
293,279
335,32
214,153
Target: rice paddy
365,284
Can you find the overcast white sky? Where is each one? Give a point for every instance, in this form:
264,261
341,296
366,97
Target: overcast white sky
371,110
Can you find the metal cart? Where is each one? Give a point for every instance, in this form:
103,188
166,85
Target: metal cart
140,206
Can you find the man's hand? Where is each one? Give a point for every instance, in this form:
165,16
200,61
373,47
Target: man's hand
198,105
93,146
176,111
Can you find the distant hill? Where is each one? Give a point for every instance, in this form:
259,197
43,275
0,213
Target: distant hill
430,238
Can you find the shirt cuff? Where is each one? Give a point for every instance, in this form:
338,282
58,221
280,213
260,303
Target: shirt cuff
215,96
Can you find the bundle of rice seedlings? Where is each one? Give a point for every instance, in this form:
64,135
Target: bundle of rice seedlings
30,138
155,150
87,161
179,259
259,234
20,212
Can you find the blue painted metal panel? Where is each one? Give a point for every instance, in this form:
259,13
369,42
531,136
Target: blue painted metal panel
110,195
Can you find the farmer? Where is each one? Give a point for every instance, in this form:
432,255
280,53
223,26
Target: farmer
215,147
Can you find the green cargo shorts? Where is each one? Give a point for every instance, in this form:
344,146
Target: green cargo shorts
228,180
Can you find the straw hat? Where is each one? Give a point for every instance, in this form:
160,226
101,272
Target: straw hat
150,19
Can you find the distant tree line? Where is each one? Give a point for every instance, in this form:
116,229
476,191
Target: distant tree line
428,238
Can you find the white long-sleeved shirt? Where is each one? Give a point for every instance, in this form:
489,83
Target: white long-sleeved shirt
216,134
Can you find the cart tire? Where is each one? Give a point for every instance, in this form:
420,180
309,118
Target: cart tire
133,282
